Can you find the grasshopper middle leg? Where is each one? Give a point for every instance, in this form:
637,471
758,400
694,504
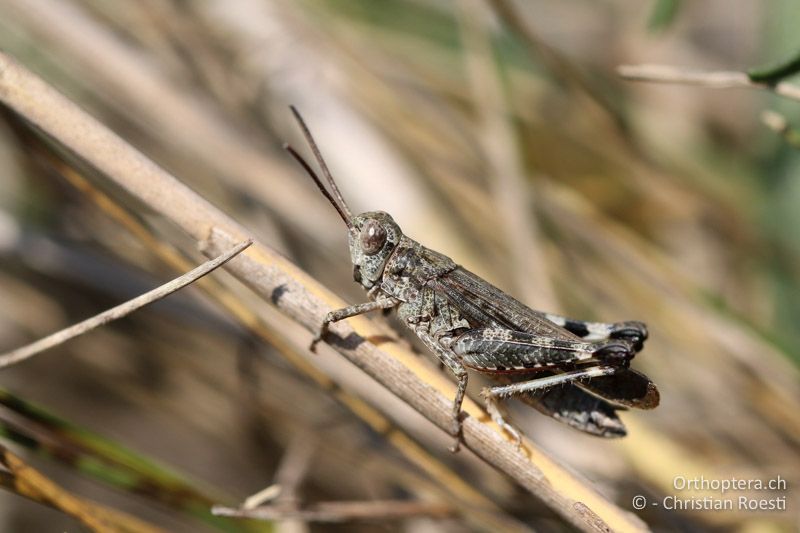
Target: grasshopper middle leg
441,347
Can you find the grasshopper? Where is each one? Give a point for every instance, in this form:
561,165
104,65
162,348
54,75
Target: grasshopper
574,371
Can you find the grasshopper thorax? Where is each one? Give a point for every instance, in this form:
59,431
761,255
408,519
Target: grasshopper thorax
373,238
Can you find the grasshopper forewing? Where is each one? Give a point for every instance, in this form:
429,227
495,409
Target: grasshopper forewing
574,371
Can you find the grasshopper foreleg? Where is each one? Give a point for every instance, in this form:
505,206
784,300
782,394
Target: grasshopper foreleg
493,394
381,302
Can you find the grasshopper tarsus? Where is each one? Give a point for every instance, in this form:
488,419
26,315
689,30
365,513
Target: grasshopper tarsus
456,446
468,323
493,409
313,346
457,431
321,332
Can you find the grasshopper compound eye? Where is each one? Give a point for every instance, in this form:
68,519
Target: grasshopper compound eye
373,237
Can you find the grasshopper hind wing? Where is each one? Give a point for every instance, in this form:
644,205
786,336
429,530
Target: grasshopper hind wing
592,406
578,409
626,387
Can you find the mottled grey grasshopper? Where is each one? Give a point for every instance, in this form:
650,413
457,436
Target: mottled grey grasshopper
469,323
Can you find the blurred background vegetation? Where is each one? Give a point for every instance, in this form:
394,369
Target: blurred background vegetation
493,131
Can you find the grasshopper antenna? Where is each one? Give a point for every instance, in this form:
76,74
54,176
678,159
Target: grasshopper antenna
340,204
344,213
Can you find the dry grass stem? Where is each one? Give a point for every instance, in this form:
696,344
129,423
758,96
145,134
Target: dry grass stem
294,465
261,497
712,79
342,511
778,123
20,478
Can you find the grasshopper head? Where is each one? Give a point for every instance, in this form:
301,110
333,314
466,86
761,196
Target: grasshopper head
373,238
373,235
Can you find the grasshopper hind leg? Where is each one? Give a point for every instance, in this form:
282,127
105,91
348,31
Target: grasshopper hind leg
493,395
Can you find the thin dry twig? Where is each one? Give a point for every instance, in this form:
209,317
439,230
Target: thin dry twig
289,477
342,511
280,502
25,352
294,465
262,497
304,300
712,79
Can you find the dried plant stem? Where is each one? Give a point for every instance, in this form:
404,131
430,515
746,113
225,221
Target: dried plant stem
303,299
280,501
20,478
712,79
122,310
778,123
342,511
294,465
